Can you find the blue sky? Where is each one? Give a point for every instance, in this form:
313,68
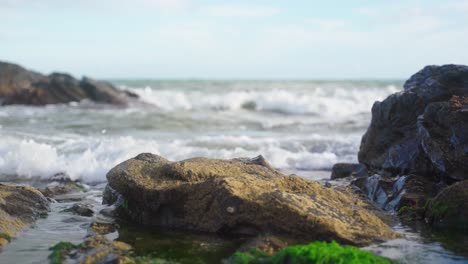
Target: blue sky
234,39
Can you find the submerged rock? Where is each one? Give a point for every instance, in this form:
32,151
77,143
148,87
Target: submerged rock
21,86
20,206
61,184
81,209
94,250
424,129
238,197
450,207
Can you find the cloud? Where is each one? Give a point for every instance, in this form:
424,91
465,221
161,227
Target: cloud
240,11
327,23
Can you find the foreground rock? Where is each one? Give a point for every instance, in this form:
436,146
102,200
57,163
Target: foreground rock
423,129
20,206
239,196
21,86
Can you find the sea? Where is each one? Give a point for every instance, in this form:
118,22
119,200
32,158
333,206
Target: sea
296,125
300,126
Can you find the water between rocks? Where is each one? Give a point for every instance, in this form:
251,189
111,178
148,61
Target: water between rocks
420,245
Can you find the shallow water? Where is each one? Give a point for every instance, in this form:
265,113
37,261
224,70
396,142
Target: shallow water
301,127
420,244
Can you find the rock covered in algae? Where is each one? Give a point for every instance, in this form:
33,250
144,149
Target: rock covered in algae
450,207
20,206
238,196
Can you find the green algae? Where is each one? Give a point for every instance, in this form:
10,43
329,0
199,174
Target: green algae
6,236
59,252
317,252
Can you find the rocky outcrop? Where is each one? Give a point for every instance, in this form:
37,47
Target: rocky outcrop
449,209
21,86
20,206
423,129
417,145
239,196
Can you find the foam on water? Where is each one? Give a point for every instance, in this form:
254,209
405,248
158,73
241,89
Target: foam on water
340,102
90,158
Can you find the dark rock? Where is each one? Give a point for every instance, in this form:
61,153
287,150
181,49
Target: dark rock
417,192
20,86
343,170
450,207
81,209
238,197
14,79
20,206
423,129
393,193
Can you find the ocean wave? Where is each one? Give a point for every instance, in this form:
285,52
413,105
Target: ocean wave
89,159
337,102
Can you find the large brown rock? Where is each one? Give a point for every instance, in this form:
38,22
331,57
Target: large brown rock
21,86
20,206
238,196
424,129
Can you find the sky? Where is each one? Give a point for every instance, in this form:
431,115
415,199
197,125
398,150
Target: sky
242,39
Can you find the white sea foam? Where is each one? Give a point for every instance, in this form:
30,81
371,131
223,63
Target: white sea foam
319,101
90,159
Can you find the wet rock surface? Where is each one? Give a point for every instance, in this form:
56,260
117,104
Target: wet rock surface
423,129
95,249
21,86
61,184
417,143
238,197
20,206
81,209
449,209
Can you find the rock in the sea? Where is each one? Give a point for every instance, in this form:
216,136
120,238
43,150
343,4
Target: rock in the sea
21,86
343,170
20,206
81,209
96,249
61,184
238,196
423,129
450,207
